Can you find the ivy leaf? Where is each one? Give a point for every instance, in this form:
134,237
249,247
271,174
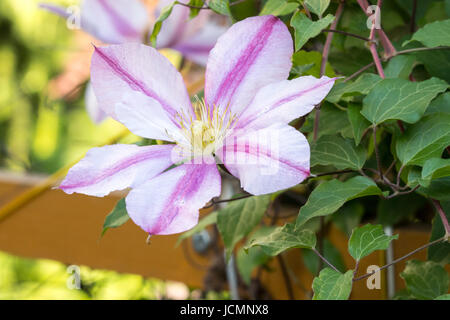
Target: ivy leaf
332,285
317,6
337,151
440,252
368,239
278,7
117,217
399,99
425,280
195,5
433,34
239,217
400,67
220,7
424,140
435,168
202,224
357,121
165,13
362,85
284,238
331,195
314,58
306,29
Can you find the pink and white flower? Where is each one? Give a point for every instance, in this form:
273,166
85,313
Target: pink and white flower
246,92
121,21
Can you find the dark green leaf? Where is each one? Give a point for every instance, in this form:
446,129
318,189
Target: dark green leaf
357,121
360,86
306,29
220,7
434,34
278,7
400,67
117,217
331,195
367,239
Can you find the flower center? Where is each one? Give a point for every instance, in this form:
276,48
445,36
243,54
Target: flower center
207,132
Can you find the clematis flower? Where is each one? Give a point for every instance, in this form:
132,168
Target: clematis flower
120,21
247,97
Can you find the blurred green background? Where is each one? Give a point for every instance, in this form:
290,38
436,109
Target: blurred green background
44,126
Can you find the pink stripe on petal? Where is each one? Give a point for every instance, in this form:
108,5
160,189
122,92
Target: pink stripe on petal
285,101
251,54
121,24
267,160
170,202
58,10
116,167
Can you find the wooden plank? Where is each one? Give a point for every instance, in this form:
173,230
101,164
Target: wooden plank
67,228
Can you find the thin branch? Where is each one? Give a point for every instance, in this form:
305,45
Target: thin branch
325,260
401,258
357,73
380,170
354,35
441,212
213,202
286,278
422,49
412,27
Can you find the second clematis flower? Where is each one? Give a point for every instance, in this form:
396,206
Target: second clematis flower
247,97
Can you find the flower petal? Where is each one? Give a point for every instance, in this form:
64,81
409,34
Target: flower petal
97,115
145,117
170,202
285,101
114,21
118,70
251,54
269,159
116,167
56,9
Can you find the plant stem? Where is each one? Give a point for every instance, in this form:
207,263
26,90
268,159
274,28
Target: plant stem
401,258
441,212
325,260
213,202
421,49
287,281
357,73
357,36
413,17
377,156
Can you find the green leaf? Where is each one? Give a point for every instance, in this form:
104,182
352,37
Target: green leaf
332,285
331,195
438,189
306,29
362,85
367,239
278,7
220,7
317,6
312,59
193,12
165,13
436,62
400,67
440,104
435,168
357,121
239,217
443,297
434,34
117,217
337,151
332,121
439,252
399,99
392,211
202,224
248,259
284,238
424,140
425,280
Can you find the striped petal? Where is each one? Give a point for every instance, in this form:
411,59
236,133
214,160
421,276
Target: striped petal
116,167
119,71
170,202
267,160
97,115
114,21
251,54
285,101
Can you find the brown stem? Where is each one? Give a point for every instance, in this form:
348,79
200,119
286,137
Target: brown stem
357,73
286,278
412,27
213,202
377,156
347,34
401,258
441,212
325,260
